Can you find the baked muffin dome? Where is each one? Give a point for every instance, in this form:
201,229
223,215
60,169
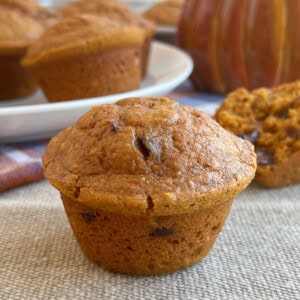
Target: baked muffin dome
87,56
147,183
270,119
113,9
165,12
130,145
17,33
45,15
82,34
118,12
21,23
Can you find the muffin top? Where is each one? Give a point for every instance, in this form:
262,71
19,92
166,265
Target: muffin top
269,118
165,12
113,9
148,156
22,22
79,35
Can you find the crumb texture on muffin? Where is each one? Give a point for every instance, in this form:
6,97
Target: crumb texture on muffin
270,119
142,155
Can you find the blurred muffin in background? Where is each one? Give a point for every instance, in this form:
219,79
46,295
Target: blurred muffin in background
21,23
46,15
87,56
165,12
119,12
270,120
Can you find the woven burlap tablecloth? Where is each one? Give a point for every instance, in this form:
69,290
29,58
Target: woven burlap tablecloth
257,255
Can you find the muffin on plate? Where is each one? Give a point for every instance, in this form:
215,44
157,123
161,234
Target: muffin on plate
119,12
270,119
147,183
86,56
21,23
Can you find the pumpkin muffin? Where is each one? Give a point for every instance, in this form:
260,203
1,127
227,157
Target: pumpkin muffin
86,56
165,12
21,23
119,12
147,183
270,119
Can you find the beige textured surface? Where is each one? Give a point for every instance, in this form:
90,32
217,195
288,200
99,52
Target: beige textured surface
255,257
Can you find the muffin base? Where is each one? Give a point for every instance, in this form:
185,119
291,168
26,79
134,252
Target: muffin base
280,175
145,245
15,81
90,75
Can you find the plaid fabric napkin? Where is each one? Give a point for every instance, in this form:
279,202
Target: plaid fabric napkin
20,163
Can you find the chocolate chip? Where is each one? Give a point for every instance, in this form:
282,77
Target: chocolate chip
250,136
163,231
89,216
115,128
293,133
77,192
282,114
150,203
264,158
149,147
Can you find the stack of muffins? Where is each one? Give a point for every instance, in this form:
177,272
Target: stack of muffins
90,48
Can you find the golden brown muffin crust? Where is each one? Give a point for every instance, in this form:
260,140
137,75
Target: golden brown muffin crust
145,245
17,32
113,9
151,152
270,119
79,35
119,12
21,23
165,12
46,16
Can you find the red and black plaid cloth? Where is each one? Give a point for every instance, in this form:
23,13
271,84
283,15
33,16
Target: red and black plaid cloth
20,163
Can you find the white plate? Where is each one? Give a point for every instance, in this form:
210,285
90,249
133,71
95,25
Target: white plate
33,117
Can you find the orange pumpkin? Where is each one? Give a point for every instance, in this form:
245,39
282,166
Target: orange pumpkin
235,43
